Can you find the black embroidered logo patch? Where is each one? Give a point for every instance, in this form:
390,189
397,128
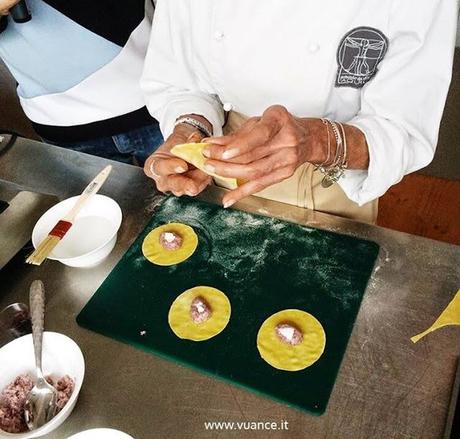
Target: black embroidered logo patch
359,55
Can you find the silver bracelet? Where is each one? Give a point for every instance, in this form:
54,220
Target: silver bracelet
200,126
334,171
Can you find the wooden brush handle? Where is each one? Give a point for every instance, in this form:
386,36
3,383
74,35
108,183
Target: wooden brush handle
90,190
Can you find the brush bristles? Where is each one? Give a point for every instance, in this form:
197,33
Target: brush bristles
43,250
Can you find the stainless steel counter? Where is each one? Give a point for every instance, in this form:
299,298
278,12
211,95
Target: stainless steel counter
387,387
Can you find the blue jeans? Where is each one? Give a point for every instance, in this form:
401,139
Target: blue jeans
132,147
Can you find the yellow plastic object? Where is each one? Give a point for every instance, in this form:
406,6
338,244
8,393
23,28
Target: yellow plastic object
156,254
284,356
181,322
193,153
450,316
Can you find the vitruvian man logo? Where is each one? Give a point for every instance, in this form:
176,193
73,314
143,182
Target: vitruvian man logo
359,55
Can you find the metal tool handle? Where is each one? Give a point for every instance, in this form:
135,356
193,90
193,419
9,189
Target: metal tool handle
20,12
37,312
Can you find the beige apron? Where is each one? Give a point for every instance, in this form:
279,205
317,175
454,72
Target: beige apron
304,189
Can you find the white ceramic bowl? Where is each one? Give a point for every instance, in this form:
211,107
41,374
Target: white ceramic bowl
101,433
92,236
61,356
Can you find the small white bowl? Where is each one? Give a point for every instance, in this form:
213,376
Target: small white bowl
92,236
61,356
101,433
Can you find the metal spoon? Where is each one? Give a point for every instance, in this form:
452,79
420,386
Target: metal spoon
40,405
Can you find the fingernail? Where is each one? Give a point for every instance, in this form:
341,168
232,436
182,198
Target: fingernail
190,193
179,169
228,203
210,168
207,152
230,154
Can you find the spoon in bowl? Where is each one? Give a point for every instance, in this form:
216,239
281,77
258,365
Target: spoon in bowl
40,405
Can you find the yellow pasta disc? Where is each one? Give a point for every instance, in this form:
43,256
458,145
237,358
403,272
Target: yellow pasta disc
181,322
284,356
193,153
156,254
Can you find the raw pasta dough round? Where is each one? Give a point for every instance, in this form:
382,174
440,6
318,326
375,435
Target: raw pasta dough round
288,357
180,319
157,254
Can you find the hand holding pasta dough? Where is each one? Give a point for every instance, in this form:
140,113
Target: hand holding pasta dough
268,149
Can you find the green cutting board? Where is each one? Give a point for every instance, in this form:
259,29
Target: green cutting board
264,265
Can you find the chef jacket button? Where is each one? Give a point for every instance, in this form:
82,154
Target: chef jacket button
219,35
313,47
228,106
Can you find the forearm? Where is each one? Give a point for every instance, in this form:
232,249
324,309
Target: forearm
317,141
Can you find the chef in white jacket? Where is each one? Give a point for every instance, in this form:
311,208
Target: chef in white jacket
324,105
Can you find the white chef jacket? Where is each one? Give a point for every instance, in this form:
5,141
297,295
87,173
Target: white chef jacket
383,66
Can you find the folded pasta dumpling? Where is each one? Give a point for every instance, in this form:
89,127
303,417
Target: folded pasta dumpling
193,153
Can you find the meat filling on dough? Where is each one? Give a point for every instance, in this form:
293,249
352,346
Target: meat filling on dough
289,334
170,240
200,311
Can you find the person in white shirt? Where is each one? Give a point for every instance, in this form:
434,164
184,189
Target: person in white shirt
305,91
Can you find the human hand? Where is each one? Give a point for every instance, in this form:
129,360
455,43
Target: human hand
264,151
172,174
6,5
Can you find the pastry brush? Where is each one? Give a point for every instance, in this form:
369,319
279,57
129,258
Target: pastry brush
62,227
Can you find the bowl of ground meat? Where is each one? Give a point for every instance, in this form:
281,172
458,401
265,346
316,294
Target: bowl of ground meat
63,367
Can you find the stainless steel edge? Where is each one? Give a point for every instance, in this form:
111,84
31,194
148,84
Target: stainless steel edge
387,386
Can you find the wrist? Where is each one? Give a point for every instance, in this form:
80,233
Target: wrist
185,130
185,133
315,148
